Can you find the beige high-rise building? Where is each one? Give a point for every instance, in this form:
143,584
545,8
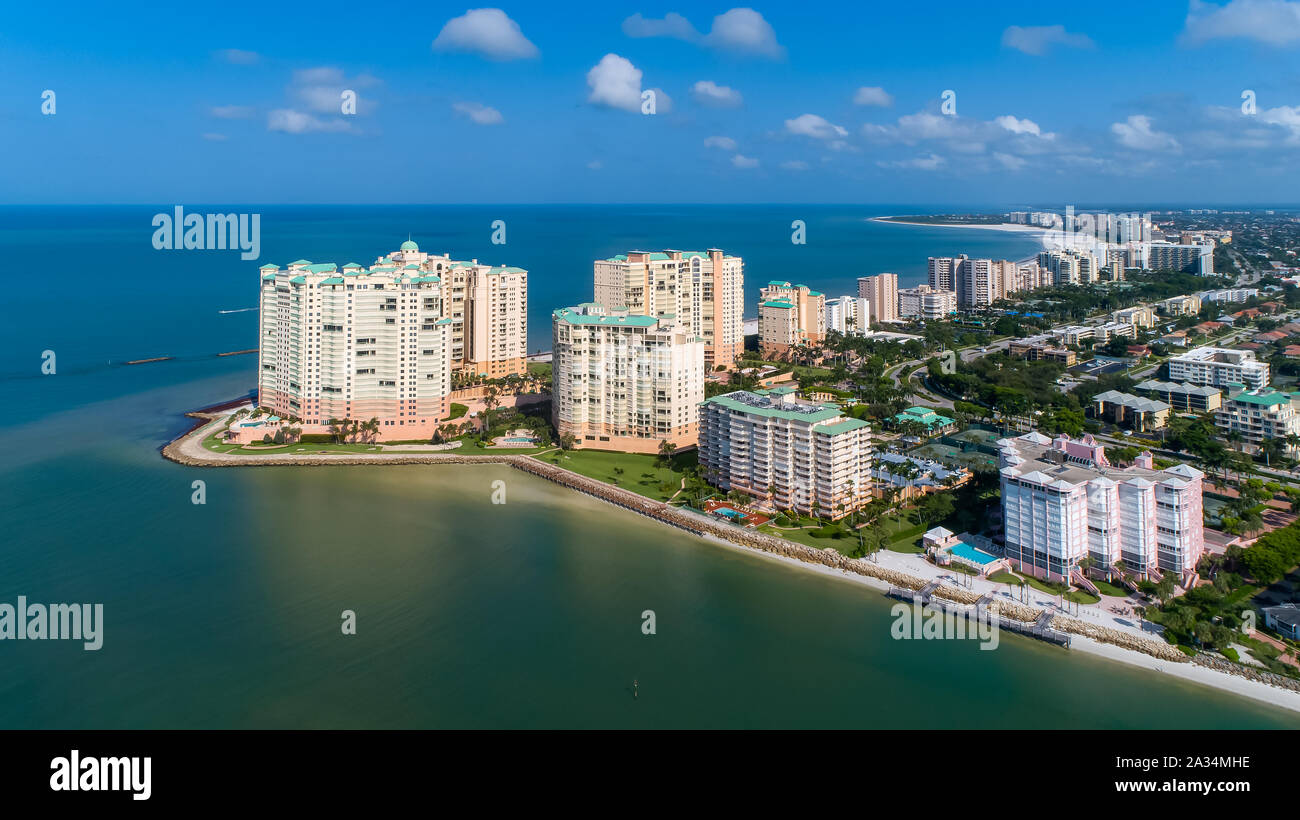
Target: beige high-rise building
488,307
789,315
625,381
703,290
882,291
352,344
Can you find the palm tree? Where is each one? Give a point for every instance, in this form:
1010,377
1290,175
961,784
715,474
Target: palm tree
666,450
490,401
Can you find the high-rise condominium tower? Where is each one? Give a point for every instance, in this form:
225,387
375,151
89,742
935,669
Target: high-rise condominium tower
703,290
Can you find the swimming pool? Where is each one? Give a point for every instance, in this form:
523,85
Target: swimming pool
522,440
963,550
734,515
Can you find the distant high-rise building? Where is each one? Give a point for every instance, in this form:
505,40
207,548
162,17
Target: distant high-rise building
849,315
703,290
882,291
789,315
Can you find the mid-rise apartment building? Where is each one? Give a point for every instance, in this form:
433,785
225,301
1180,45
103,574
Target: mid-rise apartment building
1198,259
1219,367
703,290
1062,502
1180,306
977,282
1184,398
1069,266
881,291
1141,316
924,302
625,381
789,315
1257,415
787,453
355,344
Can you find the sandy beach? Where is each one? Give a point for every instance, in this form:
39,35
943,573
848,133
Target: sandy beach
1006,226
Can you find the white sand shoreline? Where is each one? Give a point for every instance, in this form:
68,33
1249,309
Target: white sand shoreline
1006,226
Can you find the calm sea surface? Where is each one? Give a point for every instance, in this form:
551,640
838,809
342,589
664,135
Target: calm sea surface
469,615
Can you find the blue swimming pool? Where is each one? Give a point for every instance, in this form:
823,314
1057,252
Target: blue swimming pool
963,550
734,515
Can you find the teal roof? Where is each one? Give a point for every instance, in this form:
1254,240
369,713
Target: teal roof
297,280
1263,399
333,280
801,414
841,427
324,267
268,276
352,266
778,303
506,269
269,267
408,245
573,317
301,262
411,266
778,283
815,293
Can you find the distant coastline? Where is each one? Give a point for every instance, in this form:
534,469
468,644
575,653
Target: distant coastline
1005,226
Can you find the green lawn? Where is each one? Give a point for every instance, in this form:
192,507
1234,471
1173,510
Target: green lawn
469,446
1081,596
1004,577
639,472
1113,590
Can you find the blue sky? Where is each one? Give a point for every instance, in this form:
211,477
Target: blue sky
1137,103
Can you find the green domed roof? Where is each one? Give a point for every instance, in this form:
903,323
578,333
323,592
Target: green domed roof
408,245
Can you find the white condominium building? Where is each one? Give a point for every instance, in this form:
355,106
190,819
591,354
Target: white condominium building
354,344
1257,415
624,381
789,315
881,291
1140,316
1062,501
1219,367
1070,267
977,282
793,454
1180,306
487,306
924,302
703,290
849,315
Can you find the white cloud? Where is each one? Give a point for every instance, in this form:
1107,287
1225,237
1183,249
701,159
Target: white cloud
794,165
741,161
290,121
321,90
1136,132
1016,126
744,31
595,165
488,32
478,113
930,162
1036,40
720,96
1286,116
615,83
231,112
725,143
1274,22
673,25
873,95
740,31
1008,161
811,125
238,56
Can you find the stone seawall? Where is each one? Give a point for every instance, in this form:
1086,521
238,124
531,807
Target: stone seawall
1259,675
188,450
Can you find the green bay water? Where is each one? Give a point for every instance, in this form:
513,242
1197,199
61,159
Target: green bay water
469,614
